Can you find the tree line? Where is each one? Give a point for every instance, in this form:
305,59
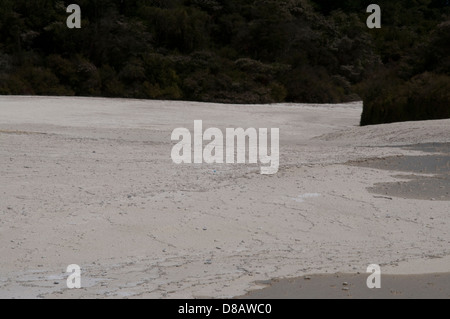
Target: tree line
234,51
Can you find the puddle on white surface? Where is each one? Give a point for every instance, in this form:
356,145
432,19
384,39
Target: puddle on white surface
302,198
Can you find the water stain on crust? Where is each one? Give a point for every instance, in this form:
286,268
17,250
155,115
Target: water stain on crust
428,178
354,286
21,132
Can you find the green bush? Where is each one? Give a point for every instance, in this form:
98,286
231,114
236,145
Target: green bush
424,97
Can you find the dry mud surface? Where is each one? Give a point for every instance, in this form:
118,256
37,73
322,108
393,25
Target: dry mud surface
91,182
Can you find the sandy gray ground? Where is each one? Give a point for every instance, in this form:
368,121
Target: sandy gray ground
349,286
91,182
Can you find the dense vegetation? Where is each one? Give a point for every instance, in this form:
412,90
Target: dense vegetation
239,51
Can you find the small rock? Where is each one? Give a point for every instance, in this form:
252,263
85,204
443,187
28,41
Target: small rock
345,289
56,283
208,262
345,284
307,278
204,228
